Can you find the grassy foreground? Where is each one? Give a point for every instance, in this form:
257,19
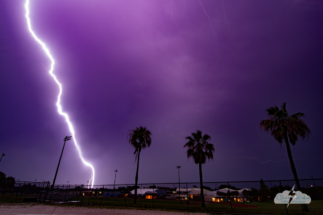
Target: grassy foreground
315,207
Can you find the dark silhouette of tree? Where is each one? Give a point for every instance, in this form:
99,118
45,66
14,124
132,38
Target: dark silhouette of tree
255,193
200,149
10,181
286,129
2,178
139,138
248,194
264,191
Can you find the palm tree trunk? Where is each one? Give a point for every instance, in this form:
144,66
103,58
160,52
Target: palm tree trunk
304,206
135,199
201,184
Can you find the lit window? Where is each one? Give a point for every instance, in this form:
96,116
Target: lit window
149,196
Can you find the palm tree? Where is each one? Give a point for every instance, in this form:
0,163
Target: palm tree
286,129
199,148
139,138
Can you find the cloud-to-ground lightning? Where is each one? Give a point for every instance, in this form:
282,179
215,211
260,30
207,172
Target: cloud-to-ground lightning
58,103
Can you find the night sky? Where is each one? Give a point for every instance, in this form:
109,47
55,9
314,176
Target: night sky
174,66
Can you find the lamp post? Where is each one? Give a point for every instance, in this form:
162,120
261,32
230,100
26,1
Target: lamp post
67,138
179,182
115,177
3,154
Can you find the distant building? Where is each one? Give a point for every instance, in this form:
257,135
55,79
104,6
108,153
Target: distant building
150,193
189,193
111,194
215,197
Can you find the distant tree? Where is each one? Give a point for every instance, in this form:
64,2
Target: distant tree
2,178
247,194
285,128
264,191
255,194
200,149
139,138
10,181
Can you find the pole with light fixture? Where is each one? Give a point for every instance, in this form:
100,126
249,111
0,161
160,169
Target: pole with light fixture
67,138
115,177
179,182
3,154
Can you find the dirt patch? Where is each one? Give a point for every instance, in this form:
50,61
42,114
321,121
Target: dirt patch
29,208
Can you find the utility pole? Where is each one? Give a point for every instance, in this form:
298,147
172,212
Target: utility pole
114,181
179,183
67,138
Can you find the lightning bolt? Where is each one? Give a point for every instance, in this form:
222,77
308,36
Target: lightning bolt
291,194
58,103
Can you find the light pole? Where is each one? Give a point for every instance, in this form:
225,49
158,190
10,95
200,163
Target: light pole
3,154
179,182
67,138
115,177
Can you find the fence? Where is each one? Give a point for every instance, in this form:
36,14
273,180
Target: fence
179,196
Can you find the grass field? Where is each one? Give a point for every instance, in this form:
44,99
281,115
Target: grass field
315,207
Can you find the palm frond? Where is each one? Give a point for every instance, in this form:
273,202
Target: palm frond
279,124
199,148
297,115
272,111
139,138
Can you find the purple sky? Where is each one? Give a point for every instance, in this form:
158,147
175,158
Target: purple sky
172,66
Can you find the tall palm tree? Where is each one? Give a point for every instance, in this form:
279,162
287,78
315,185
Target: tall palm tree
286,129
139,138
200,149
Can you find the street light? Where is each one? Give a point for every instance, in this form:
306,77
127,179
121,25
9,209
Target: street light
67,138
115,176
3,154
179,182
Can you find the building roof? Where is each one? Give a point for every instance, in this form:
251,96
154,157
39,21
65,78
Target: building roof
148,191
193,191
225,190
